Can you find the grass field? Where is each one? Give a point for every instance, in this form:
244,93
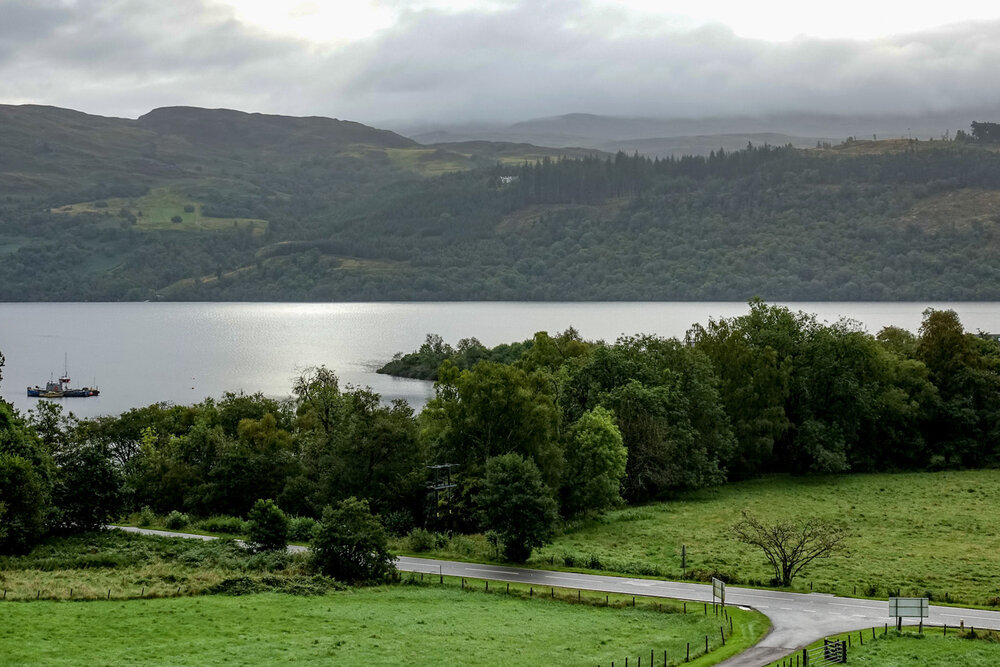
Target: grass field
406,624
928,649
121,565
924,533
158,208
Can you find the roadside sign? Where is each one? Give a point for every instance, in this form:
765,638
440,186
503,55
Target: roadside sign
718,590
909,607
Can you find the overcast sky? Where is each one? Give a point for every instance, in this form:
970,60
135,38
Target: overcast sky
499,60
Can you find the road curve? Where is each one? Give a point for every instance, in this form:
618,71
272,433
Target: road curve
797,619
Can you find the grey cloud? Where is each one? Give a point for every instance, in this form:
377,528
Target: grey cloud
525,59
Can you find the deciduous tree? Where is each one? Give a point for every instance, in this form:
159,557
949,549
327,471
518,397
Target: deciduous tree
350,544
517,504
790,546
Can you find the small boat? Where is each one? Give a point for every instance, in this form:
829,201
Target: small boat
61,389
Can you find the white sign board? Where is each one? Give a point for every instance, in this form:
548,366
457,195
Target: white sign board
909,607
719,589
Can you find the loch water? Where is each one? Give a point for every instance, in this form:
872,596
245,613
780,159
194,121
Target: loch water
181,353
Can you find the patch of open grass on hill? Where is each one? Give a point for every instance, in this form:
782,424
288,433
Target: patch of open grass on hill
956,209
157,210
428,161
931,648
423,625
935,534
866,146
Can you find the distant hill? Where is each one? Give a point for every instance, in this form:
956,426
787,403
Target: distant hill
677,136
251,132
64,153
705,144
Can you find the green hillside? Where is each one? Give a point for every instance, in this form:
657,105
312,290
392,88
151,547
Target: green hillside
199,204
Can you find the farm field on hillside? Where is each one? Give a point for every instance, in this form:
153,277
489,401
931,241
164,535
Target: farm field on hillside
160,209
395,624
924,533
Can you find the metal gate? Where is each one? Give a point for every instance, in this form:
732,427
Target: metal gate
832,652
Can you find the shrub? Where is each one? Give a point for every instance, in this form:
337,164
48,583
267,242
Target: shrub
189,208
176,520
223,524
300,529
420,539
351,545
176,219
267,527
146,516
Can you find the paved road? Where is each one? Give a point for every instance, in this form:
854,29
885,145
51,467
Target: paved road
797,619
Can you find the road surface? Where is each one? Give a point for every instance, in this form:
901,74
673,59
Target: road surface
797,619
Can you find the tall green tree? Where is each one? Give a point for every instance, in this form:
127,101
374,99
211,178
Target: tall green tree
351,444
26,473
595,463
964,425
491,410
517,505
666,405
754,385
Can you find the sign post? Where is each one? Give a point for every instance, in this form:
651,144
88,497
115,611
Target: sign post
901,608
718,591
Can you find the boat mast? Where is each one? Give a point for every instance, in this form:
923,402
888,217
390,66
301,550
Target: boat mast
65,377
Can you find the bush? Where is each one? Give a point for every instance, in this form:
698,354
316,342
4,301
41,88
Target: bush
177,520
223,524
351,545
176,219
146,516
421,539
189,208
267,527
300,529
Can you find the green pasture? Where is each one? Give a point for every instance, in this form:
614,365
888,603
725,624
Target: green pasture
935,534
930,648
407,624
428,161
157,209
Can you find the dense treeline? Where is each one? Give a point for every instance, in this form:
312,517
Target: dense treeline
893,221
555,426
779,222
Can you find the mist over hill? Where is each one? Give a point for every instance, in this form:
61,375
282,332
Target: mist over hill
662,137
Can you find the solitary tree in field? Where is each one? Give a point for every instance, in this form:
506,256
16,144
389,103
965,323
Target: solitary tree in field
351,545
268,527
789,546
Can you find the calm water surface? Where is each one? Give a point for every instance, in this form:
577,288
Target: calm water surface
142,353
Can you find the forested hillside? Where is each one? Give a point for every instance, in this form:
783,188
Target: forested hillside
195,204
